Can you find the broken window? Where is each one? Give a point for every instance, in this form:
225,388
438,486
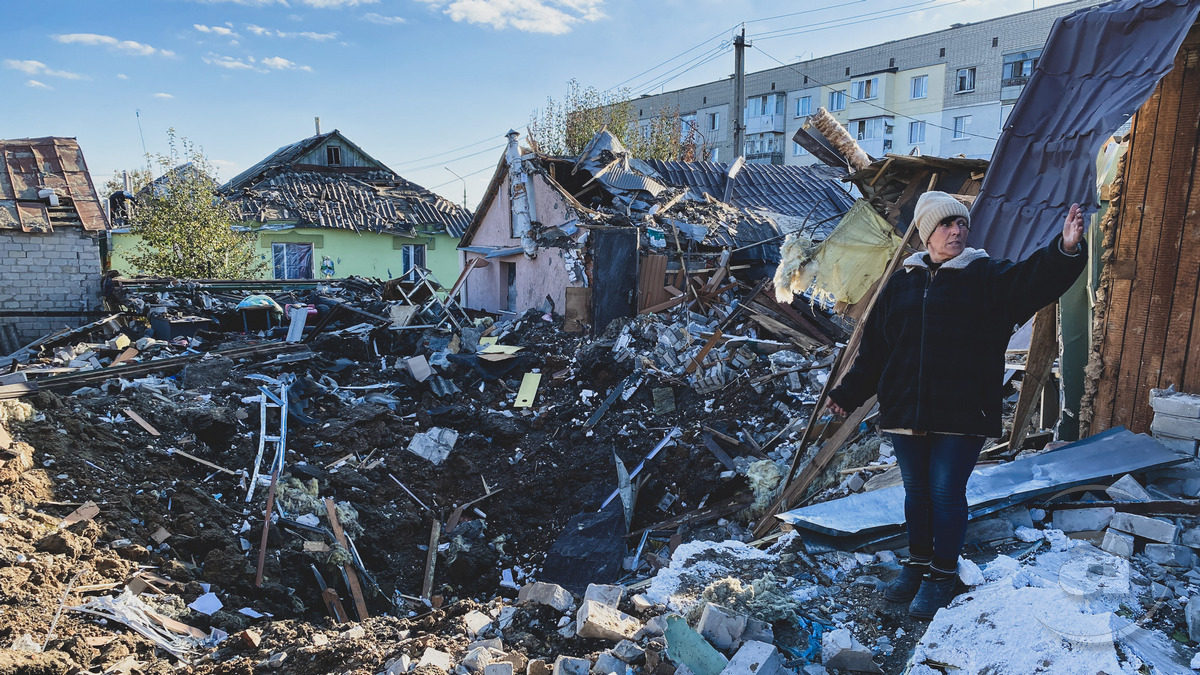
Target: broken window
714,121
292,261
920,87
411,256
803,106
916,132
1018,67
868,129
960,126
333,155
865,90
965,80
837,99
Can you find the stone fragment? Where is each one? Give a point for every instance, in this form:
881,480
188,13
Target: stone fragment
1187,446
721,627
654,627
1191,612
275,661
608,664
988,530
476,621
1179,427
438,659
1083,520
759,631
569,665
839,649
629,652
595,620
1171,555
604,594
1127,489
537,667
1190,537
490,643
640,603
399,666
1178,404
1118,543
1161,531
542,593
686,646
477,659
756,658
499,668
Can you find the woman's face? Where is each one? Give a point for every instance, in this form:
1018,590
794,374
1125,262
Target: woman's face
949,238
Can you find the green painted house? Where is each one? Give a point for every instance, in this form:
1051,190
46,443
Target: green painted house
323,207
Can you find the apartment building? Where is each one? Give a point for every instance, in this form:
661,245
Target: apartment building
944,93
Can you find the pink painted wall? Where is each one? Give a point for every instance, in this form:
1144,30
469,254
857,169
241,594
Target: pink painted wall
487,288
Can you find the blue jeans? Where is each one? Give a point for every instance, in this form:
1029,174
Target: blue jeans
935,469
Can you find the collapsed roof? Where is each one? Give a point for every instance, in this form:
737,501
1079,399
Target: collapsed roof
44,183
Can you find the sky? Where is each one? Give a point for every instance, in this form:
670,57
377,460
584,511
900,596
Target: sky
428,87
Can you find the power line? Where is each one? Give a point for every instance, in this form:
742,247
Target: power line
655,67
864,18
489,166
704,58
806,11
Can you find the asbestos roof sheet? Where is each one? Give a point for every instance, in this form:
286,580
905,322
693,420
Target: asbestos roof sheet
1099,66
813,192
28,165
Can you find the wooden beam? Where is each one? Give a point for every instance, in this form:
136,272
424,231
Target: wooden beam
262,546
360,605
435,534
708,347
1043,349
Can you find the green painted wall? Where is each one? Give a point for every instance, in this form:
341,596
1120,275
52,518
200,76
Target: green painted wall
367,254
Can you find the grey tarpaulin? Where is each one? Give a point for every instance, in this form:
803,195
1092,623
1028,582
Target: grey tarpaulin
1114,452
1099,66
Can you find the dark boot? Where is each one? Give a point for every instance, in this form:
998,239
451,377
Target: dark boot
938,588
904,586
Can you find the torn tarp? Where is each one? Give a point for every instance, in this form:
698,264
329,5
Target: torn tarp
1112,453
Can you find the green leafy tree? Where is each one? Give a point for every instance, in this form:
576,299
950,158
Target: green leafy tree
138,179
185,228
564,127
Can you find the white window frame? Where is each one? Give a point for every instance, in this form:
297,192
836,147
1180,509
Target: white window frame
960,131
287,272
916,126
409,255
919,82
798,150
804,106
714,121
964,76
865,90
838,95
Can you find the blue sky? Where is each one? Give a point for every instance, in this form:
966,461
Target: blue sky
422,85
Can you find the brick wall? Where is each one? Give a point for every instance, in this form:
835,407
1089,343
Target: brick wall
58,271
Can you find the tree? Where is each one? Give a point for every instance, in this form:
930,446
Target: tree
564,128
185,228
138,179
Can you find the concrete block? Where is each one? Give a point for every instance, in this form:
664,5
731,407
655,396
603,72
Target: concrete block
1118,543
653,628
477,659
537,667
1171,555
608,664
1127,489
501,668
569,665
629,652
640,603
1191,612
687,647
1154,529
1174,403
839,649
1180,427
758,631
1190,537
542,593
721,627
594,620
604,594
1083,520
756,658
439,659
988,530
1184,445
476,621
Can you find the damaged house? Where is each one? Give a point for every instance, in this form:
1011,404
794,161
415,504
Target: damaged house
604,235
323,207
50,215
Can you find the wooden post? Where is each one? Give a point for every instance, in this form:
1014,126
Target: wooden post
1043,349
431,558
360,605
262,546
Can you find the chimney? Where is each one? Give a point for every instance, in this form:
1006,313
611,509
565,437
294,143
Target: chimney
317,121
513,153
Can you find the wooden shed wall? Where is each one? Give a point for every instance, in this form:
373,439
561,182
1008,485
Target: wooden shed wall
1149,333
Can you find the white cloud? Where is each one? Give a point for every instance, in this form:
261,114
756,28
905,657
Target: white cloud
122,76
228,62
30,67
37,85
163,95
280,63
383,20
555,17
271,32
127,46
319,4
222,31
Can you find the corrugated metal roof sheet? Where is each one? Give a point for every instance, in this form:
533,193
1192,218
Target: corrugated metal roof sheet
28,165
1098,67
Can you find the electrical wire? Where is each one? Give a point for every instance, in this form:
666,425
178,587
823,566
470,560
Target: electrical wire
824,25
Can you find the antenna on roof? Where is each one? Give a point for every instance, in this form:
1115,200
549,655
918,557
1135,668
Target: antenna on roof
317,121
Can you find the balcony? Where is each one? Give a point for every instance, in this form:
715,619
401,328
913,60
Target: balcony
775,157
762,124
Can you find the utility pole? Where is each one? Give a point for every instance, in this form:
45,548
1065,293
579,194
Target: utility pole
464,182
739,93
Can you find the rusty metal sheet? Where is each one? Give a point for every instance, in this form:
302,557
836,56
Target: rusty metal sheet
9,219
34,217
91,215
22,167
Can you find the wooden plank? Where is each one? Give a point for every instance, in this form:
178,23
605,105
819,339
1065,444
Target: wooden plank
298,316
782,330
708,347
141,422
262,544
650,281
124,356
205,462
1043,349
716,450
360,605
435,534
663,305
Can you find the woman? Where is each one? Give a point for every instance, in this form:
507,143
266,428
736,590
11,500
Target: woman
933,350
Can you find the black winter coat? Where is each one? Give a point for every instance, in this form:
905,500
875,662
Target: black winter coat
933,346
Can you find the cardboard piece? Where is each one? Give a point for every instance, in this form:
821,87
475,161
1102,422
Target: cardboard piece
88,511
418,367
528,391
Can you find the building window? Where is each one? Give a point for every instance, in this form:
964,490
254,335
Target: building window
964,81
1018,67
995,42
837,99
960,126
803,106
292,261
780,104
411,256
942,52
865,90
687,124
798,150
892,62
716,155
868,129
919,87
333,155
714,121
916,132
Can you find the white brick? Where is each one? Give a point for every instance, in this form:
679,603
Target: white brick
758,658
1169,554
1179,427
1083,520
1148,528
1118,543
594,620
1127,489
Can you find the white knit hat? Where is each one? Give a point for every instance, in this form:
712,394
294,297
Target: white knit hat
932,208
